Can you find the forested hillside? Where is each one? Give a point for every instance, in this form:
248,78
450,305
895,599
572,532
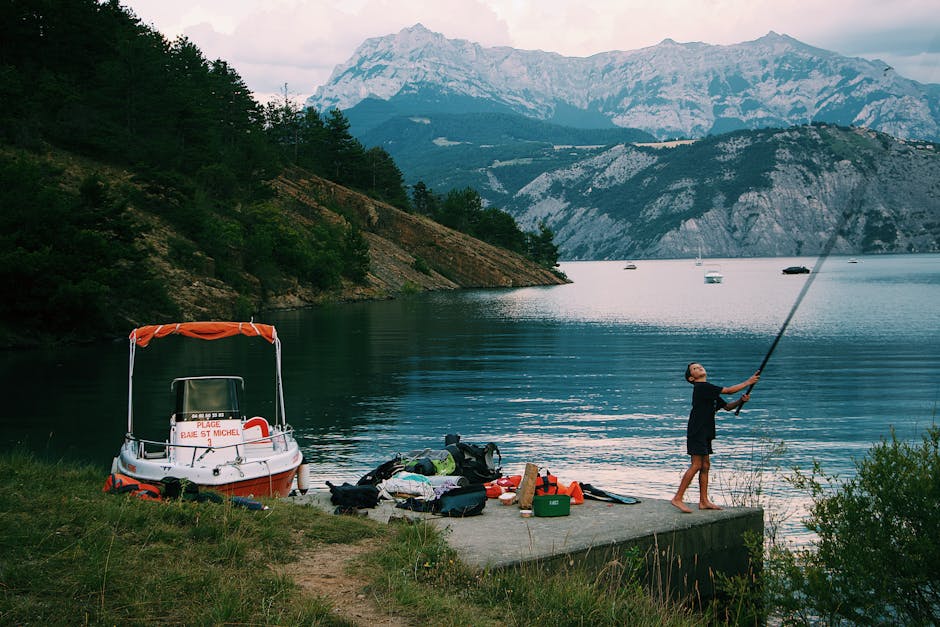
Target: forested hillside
135,182
494,153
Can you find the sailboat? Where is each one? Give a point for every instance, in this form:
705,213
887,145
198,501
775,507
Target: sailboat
698,260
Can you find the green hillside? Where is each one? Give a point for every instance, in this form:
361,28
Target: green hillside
454,151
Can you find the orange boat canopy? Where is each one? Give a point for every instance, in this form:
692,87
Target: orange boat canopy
141,336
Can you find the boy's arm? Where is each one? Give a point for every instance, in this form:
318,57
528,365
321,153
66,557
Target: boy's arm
734,389
735,404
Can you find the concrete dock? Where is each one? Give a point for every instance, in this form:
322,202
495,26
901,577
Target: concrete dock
682,552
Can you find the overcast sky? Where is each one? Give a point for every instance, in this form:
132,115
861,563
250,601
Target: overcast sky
271,43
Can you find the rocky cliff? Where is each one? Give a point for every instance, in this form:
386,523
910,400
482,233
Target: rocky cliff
751,193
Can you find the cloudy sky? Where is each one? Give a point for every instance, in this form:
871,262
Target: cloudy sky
271,43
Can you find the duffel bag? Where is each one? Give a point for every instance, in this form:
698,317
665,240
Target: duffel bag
461,502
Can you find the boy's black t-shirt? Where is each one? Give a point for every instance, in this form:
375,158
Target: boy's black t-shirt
706,401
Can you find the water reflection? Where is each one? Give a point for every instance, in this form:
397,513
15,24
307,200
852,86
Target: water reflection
584,379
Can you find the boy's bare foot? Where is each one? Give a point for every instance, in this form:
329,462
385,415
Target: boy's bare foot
682,507
708,505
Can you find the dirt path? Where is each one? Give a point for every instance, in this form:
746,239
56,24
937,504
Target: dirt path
323,572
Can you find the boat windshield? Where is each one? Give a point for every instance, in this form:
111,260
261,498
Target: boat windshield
205,398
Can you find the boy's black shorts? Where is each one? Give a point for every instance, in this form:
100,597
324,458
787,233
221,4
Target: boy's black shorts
698,446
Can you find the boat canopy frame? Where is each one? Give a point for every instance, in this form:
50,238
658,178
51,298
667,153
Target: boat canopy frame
142,336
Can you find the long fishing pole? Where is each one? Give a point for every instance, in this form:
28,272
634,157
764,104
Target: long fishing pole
799,299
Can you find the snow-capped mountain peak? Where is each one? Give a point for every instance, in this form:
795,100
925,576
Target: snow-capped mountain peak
670,89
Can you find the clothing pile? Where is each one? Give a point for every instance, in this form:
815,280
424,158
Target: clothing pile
456,480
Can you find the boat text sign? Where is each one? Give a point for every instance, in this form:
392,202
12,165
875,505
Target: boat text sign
215,433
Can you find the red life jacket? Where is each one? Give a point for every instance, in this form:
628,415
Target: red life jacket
546,484
117,483
502,485
549,484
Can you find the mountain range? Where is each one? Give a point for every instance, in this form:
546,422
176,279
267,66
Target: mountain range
668,90
769,146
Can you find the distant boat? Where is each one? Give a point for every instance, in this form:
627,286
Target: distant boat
853,260
713,275
698,260
630,266
796,270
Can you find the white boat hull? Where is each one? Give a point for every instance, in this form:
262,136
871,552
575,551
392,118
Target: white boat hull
240,474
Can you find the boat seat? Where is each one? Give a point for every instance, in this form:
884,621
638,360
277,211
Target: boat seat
255,429
255,434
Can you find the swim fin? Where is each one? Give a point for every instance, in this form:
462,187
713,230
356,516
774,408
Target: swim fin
590,492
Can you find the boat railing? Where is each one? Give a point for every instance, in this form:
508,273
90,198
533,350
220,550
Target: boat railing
275,442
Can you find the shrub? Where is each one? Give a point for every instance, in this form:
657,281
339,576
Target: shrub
876,557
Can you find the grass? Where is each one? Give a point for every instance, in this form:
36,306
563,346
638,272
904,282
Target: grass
72,554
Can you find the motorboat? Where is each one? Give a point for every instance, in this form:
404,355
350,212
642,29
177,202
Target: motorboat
853,260
211,442
796,270
713,275
630,266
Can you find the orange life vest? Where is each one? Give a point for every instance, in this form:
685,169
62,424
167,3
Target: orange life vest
118,483
549,484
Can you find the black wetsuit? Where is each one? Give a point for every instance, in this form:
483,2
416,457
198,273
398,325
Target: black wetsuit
706,400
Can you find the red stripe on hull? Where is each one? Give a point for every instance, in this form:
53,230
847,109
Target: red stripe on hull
274,485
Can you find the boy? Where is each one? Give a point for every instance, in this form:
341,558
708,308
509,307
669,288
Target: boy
706,401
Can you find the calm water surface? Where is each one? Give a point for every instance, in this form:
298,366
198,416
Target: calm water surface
584,379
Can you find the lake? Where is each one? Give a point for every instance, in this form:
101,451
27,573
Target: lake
582,379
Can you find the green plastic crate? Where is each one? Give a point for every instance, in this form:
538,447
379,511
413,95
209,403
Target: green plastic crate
551,505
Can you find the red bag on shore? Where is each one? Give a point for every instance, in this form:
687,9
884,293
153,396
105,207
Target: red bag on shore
502,485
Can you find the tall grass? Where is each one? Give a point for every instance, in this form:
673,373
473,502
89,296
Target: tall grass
420,571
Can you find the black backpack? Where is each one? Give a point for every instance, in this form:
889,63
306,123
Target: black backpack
357,496
382,472
475,462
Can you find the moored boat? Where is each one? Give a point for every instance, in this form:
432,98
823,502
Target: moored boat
796,270
630,266
211,442
713,275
